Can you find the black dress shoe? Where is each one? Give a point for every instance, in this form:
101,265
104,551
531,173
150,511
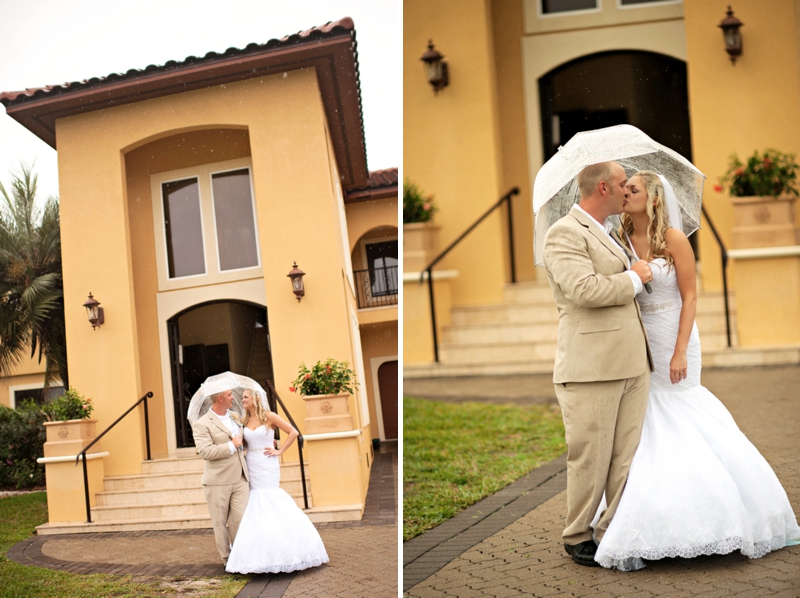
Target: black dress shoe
583,553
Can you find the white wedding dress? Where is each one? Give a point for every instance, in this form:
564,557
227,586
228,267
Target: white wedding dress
697,485
275,536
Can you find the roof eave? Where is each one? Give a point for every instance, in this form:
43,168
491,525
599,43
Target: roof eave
332,57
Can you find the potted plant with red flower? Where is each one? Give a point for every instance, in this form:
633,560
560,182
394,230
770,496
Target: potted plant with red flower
763,191
326,390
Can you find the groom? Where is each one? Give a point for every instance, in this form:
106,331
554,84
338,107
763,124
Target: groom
603,362
217,436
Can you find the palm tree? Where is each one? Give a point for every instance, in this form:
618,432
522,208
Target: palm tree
31,289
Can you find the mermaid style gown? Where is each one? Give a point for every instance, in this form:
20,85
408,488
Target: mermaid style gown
697,485
275,536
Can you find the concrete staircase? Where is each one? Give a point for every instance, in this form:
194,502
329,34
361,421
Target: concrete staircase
168,495
518,336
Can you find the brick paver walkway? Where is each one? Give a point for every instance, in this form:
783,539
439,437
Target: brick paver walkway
525,557
359,550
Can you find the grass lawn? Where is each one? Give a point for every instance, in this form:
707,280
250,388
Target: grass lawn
456,454
20,514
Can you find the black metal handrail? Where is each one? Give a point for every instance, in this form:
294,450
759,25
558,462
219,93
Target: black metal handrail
376,287
724,254
429,270
82,455
272,398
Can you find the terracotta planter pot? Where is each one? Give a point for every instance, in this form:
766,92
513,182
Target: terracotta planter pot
764,222
420,245
328,413
69,437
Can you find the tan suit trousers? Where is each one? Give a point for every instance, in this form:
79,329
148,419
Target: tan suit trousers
603,423
226,504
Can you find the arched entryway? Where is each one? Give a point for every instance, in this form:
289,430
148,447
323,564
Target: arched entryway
644,89
210,338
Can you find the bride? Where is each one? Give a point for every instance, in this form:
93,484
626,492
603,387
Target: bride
696,484
275,536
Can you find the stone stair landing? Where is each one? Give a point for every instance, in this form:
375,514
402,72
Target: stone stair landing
519,335
168,495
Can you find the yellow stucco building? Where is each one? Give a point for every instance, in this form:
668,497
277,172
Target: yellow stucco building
524,76
187,193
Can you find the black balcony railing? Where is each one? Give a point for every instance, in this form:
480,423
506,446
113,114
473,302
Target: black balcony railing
376,287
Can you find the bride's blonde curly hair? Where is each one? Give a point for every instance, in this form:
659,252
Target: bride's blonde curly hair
261,409
659,219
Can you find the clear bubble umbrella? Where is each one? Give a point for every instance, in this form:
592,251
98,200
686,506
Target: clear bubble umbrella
201,400
555,189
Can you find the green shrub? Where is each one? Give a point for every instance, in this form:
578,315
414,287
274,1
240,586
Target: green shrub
22,437
72,405
416,206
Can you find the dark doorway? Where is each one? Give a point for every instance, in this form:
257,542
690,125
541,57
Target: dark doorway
387,383
643,89
212,338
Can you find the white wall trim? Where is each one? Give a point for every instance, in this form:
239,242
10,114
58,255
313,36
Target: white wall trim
66,458
437,275
374,365
331,435
754,253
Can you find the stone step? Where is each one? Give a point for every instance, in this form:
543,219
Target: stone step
470,334
315,514
153,496
501,312
153,512
156,481
173,465
451,370
498,352
528,292
167,496
750,356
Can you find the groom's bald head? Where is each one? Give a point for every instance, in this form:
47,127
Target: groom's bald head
591,176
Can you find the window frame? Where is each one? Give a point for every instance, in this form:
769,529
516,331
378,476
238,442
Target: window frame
254,214
213,274
550,15
365,260
164,226
637,6
12,390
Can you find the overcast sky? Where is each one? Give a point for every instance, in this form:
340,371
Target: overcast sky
48,42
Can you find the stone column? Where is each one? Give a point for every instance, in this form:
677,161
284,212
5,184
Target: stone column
766,255
64,479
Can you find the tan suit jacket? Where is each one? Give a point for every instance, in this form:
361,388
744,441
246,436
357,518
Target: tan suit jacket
601,336
211,438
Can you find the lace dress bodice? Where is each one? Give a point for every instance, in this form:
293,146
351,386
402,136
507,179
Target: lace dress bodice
661,312
265,471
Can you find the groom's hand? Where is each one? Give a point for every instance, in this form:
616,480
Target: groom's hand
642,269
237,441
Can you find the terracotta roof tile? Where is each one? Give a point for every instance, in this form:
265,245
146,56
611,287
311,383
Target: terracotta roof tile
12,98
381,183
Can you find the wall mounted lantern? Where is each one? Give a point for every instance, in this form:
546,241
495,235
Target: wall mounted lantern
733,37
435,68
296,274
94,311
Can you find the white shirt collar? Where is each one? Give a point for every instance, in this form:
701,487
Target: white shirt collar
227,414
605,227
